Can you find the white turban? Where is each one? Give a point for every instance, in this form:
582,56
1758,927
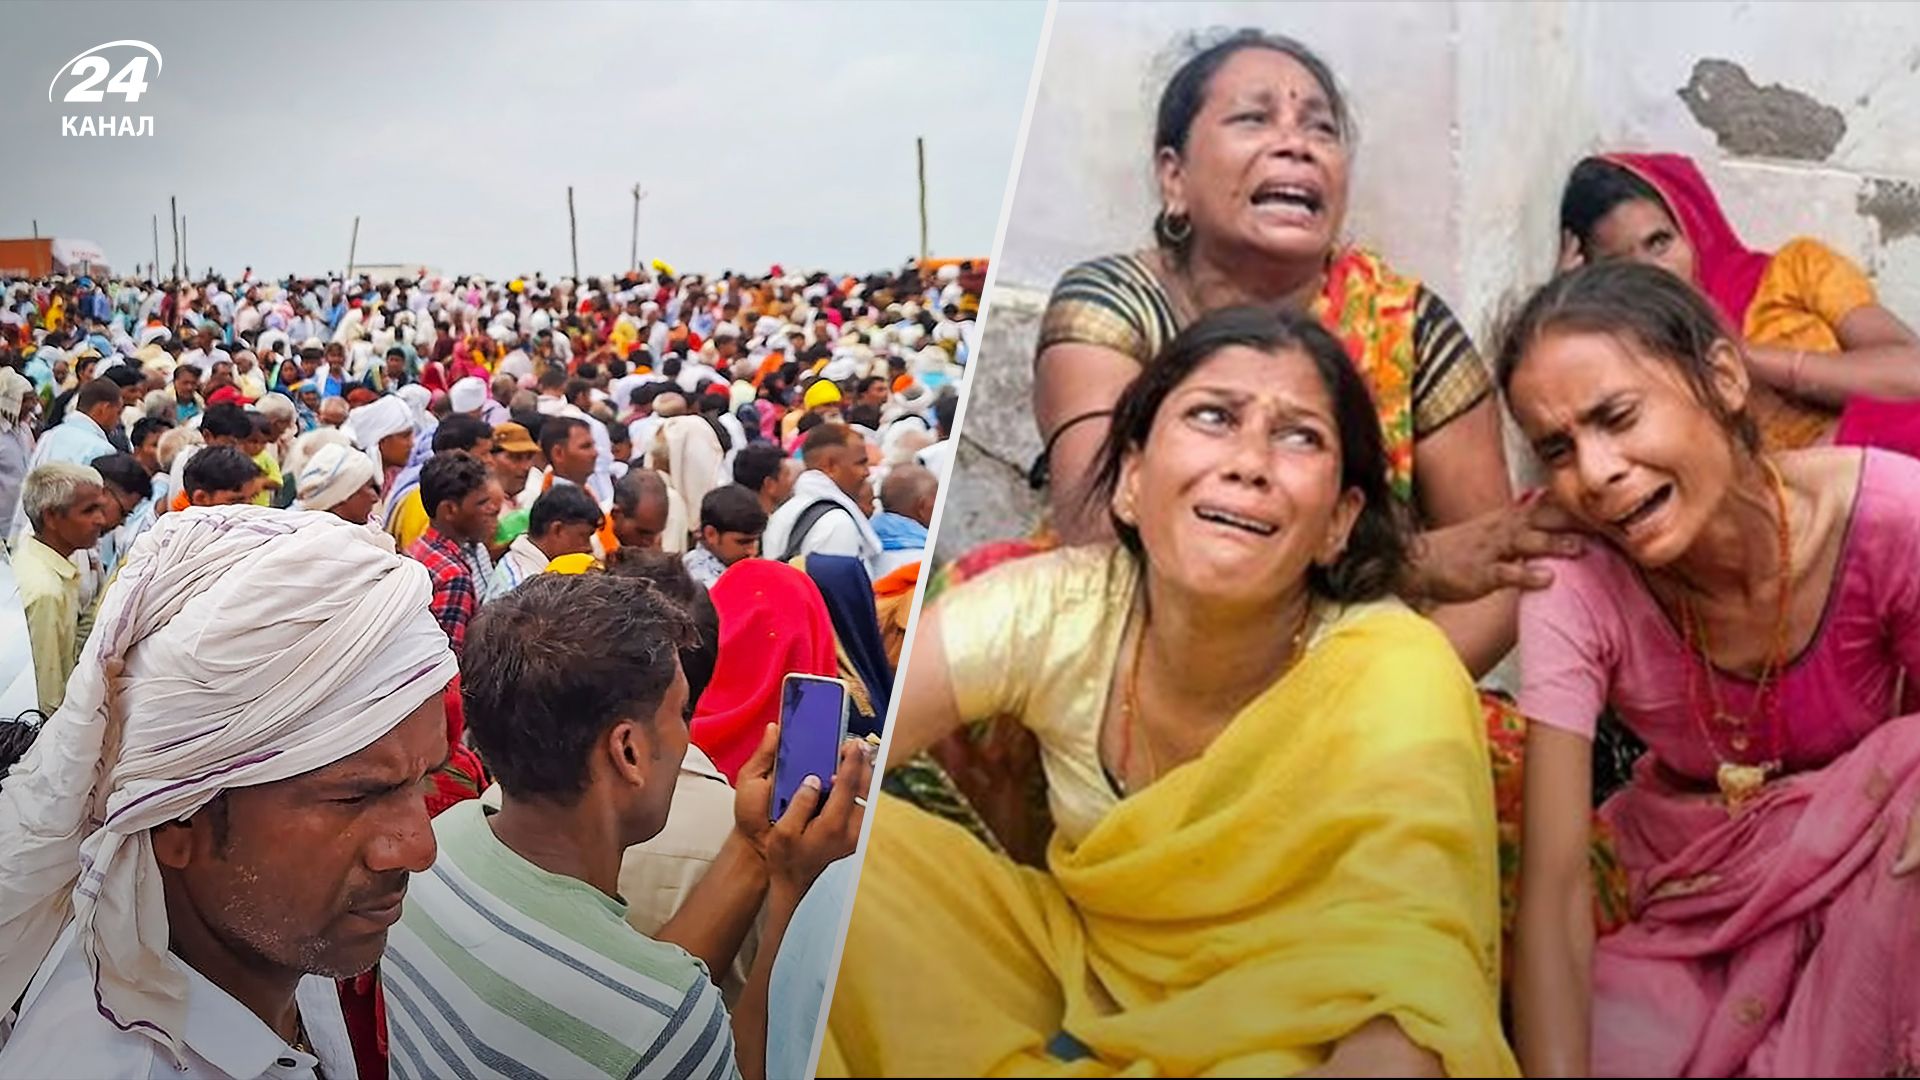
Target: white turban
331,475
200,677
309,444
468,394
376,420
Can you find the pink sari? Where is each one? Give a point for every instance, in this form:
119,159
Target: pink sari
1772,943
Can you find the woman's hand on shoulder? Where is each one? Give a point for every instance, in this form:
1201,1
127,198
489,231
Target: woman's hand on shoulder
1461,563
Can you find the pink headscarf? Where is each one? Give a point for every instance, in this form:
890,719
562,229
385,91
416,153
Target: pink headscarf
1726,270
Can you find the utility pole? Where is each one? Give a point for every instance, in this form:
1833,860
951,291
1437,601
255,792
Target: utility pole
573,234
173,205
185,267
156,246
920,152
637,196
36,228
353,246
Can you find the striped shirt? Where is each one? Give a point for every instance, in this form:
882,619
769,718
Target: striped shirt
501,969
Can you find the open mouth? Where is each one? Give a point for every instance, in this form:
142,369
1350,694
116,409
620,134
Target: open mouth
1303,198
1645,509
1231,520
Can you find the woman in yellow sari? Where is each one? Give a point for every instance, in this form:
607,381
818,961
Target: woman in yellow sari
1274,852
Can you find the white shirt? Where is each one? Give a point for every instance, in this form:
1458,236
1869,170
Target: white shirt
62,1034
834,533
937,457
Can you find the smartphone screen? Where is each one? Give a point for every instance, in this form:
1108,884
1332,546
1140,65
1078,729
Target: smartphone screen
813,722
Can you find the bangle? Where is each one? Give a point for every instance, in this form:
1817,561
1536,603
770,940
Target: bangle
1793,372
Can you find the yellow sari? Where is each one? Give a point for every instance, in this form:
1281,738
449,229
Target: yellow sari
1328,860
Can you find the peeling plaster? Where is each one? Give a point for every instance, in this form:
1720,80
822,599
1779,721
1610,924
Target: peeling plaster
1761,121
1895,204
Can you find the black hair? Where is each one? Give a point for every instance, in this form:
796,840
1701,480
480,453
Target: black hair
563,504
559,661
756,464
867,383
123,376
671,369
396,351
218,468
555,432
638,484
1594,188
866,416
460,432
97,392
944,408
809,421
1186,93
148,425
576,387
668,574
451,477
1376,548
732,508
262,424
16,738
124,472
1640,304
824,436
553,379
226,420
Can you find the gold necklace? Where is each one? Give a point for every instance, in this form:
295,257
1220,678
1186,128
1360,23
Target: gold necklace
1130,694
1739,781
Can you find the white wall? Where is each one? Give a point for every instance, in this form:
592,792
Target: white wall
1470,115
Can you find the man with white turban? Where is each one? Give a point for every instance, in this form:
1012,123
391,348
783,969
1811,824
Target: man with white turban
340,480
223,815
376,428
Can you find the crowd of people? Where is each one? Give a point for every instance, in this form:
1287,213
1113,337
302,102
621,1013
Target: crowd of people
320,576
1199,780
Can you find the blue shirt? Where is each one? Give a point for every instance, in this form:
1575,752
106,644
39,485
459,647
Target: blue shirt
803,970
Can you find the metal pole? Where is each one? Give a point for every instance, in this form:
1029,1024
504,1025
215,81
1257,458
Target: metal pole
920,152
36,228
634,265
156,246
573,234
185,267
173,205
353,246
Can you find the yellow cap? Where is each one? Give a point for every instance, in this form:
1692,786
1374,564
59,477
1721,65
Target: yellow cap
822,392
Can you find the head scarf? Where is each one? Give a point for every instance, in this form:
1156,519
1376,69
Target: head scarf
198,678
862,655
1724,268
694,457
772,622
331,476
376,420
468,395
14,388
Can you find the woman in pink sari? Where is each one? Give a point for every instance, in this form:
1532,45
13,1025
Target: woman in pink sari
1748,617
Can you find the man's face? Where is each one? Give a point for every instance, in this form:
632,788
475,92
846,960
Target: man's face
224,497
730,547
396,448
643,528
79,524
336,355
309,364
253,444
221,375
575,458
790,470
396,366
511,469
477,516
847,468
667,732
203,340
308,874
120,504
568,538
875,395
186,383
357,507
148,452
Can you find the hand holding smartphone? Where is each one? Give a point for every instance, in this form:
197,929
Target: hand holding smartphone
813,723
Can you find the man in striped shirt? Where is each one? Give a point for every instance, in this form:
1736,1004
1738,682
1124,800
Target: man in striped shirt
513,957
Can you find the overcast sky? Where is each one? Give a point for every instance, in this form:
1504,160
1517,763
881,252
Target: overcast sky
761,133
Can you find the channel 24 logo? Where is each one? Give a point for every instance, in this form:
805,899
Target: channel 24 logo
92,79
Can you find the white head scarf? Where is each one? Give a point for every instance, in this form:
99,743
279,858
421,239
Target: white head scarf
199,677
331,476
14,388
467,395
376,420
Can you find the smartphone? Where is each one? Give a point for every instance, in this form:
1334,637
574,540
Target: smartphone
813,724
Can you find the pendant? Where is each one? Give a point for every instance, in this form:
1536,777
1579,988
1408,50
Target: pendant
1739,743
1730,719
1738,783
